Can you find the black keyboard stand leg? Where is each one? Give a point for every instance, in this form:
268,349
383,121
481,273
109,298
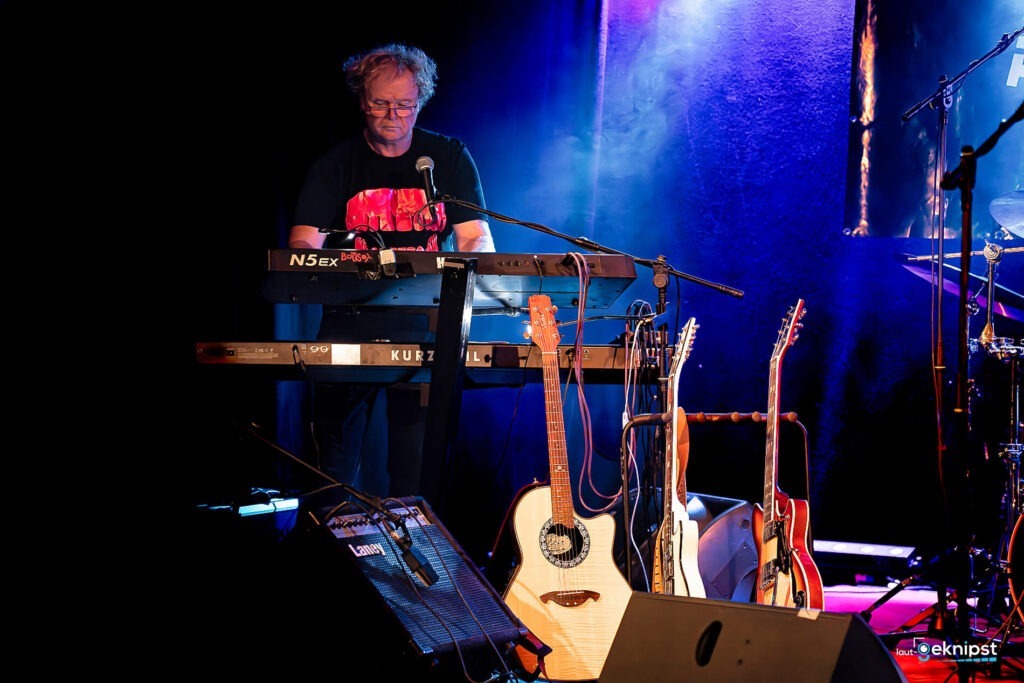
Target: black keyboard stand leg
455,312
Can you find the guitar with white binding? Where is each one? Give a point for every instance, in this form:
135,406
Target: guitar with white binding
676,570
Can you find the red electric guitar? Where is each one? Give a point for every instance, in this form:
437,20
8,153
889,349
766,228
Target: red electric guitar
787,575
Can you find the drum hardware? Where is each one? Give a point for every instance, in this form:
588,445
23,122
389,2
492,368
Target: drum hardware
1007,303
1015,568
956,581
987,568
995,576
1013,498
911,258
1004,348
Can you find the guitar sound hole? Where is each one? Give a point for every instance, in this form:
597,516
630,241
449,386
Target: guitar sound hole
564,546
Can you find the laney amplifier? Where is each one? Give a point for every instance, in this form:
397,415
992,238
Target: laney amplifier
411,586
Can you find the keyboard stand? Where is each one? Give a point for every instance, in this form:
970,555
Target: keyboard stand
454,314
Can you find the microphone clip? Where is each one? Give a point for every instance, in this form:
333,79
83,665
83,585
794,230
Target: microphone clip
660,281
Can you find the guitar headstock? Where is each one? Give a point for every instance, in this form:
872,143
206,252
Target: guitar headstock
544,329
685,345
789,332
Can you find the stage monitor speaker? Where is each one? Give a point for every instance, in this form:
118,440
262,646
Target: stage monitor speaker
388,612
726,553
673,638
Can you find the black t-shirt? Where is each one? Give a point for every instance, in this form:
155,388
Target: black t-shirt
352,188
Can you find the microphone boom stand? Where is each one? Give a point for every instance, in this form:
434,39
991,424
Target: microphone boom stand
659,265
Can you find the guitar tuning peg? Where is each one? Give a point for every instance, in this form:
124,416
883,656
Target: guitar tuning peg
528,330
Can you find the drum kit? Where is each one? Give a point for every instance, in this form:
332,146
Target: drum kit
1001,358
1006,353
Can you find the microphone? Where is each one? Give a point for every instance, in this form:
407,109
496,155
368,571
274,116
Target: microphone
425,165
413,559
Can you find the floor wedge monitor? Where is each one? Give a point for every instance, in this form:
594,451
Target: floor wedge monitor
673,638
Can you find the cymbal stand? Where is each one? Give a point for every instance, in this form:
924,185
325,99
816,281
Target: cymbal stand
993,254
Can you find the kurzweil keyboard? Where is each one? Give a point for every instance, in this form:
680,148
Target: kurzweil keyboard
413,278
486,363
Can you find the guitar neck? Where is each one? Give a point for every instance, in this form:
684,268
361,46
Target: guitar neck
561,491
676,456
771,451
787,336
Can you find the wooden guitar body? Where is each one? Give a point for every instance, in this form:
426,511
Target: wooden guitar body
801,585
571,600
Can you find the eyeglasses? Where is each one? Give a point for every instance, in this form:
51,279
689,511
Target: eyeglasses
381,111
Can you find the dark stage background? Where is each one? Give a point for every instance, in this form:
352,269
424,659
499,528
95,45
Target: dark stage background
717,134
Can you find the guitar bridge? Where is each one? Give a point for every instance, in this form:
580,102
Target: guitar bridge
570,598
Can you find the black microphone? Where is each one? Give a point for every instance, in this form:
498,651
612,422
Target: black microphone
425,165
413,559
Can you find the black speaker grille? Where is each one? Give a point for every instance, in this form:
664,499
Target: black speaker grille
460,607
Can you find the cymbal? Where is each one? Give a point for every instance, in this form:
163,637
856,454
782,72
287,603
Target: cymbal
1008,303
1008,211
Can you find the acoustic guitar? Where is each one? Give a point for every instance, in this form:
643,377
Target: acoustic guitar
567,589
787,575
676,570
